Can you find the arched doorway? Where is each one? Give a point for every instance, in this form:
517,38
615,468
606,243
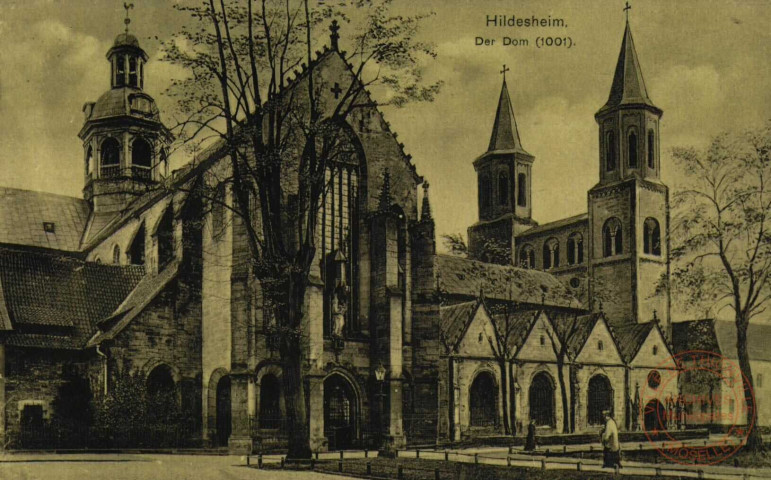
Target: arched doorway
223,425
270,402
655,416
541,399
339,413
600,399
161,394
483,401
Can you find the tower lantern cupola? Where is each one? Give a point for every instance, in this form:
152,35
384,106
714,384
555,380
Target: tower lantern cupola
124,140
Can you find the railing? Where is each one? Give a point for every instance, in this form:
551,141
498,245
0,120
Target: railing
110,171
135,171
142,173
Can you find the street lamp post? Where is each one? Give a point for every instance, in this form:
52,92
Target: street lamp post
380,373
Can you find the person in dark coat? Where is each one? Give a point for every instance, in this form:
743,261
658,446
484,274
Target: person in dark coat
530,442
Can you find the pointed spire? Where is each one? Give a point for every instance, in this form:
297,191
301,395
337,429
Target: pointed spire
425,208
628,86
505,134
385,194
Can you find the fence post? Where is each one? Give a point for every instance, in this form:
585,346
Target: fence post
564,449
640,447
313,463
446,456
511,448
508,460
366,453
247,460
399,472
317,454
736,462
658,471
701,473
259,461
417,453
476,458
543,464
341,454
579,466
282,463
591,448
616,468
340,466
369,468
436,474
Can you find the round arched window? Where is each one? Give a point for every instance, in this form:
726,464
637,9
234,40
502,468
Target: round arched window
654,379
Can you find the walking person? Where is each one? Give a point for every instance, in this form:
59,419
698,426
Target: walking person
611,449
530,442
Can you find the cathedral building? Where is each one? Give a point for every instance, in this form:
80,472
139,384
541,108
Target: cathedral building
144,280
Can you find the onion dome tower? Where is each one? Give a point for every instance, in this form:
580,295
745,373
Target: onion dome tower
125,143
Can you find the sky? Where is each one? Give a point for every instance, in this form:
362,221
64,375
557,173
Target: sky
705,63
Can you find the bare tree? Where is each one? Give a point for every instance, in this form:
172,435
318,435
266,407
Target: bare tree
721,232
279,135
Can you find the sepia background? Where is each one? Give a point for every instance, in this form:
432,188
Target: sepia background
705,64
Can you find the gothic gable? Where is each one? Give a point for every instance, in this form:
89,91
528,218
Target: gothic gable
599,347
475,342
538,346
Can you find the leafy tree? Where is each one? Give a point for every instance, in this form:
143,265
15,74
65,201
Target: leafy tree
278,136
456,244
721,232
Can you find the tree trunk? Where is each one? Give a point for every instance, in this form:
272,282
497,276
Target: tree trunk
563,394
294,397
504,399
754,439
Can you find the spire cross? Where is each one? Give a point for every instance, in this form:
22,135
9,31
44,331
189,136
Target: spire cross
127,6
503,72
627,7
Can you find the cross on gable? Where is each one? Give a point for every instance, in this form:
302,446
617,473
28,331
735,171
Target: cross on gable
336,90
627,7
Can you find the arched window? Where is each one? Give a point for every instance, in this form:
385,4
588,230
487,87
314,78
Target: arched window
136,251
110,166
503,188
161,394
116,255
165,234
651,237
651,150
483,399
612,240
632,139
600,398
484,191
141,153
522,192
575,249
610,151
270,402
527,256
120,70
133,72
551,254
541,400
90,160
164,163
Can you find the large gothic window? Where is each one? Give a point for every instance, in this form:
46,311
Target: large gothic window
116,255
527,257
541,400
651,237
632,139
522,192
483,396
575,248
338,228
270,402
612,240
503,188
551,254
600,398
110,158
651,150
610,151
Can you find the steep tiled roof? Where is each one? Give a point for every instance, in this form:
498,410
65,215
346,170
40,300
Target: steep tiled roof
454,319
144,293
758,336
520,323
574,330
467,278
628,87
23,213
54,301
563,222
631,337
